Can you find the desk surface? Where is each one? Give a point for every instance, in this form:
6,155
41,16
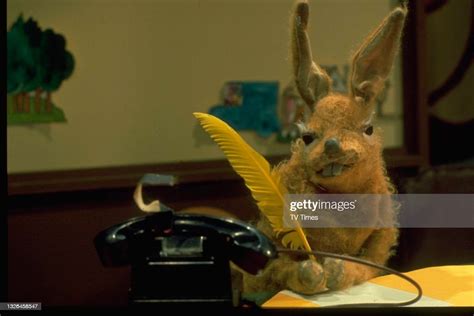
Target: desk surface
442,286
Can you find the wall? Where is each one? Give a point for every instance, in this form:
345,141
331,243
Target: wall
143,67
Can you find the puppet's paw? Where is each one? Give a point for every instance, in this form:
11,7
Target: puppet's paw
308,278
335,273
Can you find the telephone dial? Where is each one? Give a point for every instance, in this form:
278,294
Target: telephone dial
183,258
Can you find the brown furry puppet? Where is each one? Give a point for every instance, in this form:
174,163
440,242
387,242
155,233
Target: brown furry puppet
339,152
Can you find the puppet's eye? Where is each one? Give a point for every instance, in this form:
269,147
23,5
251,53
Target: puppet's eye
369,130
308,138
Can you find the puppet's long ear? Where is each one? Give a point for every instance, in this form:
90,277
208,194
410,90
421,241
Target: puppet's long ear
372,63
312,82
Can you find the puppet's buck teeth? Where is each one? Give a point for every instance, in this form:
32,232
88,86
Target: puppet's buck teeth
332,169
336,169
327,171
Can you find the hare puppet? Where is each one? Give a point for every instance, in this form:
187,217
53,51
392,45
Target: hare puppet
339,152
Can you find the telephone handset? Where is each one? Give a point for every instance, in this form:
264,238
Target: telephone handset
178,257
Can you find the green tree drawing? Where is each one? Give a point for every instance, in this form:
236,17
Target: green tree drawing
37,64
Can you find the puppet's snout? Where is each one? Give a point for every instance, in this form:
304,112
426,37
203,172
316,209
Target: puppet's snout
332,146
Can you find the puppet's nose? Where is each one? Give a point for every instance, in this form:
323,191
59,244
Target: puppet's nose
331,146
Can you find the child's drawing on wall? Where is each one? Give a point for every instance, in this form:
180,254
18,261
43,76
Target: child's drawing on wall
37,64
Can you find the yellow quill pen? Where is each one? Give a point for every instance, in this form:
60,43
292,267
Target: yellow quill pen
264,184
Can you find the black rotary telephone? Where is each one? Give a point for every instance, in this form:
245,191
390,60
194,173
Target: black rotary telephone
183,258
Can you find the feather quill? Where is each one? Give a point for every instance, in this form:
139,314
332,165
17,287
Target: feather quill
263,183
